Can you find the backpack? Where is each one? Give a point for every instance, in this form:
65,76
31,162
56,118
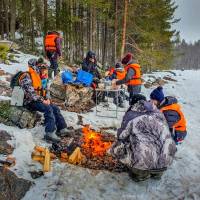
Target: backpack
15,79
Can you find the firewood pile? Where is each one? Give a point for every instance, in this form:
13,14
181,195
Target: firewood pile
92,147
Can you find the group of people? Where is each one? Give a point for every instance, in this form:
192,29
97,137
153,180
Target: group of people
150,130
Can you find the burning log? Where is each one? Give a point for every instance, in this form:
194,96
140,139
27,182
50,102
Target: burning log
64,157
77,157
93,145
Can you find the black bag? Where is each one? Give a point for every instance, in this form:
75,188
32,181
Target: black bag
15,79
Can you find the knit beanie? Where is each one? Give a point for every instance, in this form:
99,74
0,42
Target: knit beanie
127,58
157,94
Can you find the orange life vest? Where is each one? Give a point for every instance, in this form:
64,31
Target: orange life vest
111,71
181,124
50,42
121,74
36,80
136,80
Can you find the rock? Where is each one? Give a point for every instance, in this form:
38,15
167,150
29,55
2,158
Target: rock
148,84
5,89
2,72
157,82
11,186
75,98
171,72
9,44
17,116
168,78
5,148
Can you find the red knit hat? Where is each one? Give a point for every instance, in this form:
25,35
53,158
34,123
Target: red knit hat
127,58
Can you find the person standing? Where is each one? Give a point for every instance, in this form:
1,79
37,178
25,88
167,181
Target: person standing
133,76
53,49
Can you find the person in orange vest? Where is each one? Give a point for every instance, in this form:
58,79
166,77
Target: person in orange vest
133,76
53,48
172,112
117,73
30,82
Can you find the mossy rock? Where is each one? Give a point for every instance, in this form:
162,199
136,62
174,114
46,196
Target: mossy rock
4,48
17,116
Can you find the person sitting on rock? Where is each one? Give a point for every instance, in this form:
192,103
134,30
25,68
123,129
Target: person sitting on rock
172,112
144,142
30,82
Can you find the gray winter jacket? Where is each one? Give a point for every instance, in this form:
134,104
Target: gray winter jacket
144,141
29,92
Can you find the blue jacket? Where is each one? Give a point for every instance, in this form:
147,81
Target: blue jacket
172,116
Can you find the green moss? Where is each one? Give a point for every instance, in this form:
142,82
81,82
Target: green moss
4,110
4,51
11,57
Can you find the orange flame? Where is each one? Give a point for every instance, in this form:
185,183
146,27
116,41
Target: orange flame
93,144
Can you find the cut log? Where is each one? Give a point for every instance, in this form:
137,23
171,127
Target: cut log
74,98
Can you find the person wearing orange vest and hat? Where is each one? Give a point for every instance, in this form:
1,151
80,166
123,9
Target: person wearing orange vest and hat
31,84
53,47
117,73
172,112
133,76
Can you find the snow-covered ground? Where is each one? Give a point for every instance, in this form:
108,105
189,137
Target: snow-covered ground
180,181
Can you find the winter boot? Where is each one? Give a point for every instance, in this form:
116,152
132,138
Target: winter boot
139,175
64,132
51,136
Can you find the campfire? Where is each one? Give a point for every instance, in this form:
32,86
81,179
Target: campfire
93,144
89,149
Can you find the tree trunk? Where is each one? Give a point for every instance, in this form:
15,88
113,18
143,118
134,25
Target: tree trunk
115,35
105,42
45,17
90,27
13,18
58,10
6,10
45,26
124,27
1,19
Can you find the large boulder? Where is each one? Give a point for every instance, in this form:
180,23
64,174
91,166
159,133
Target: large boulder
5,148
17,116
11,186
5,89
75,98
